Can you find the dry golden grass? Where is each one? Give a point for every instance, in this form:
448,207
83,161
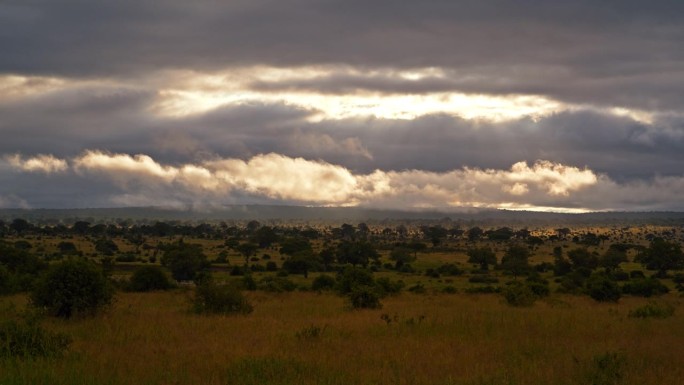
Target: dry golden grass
307,338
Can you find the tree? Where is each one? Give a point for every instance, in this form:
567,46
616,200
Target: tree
582,258
149,278
185,260
474,233
612,259
265,236
662,256
515,260
401,256
72,287
483,256
301,263
247,250
356,253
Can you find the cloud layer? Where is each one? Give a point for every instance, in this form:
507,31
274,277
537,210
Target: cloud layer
568,105
268,178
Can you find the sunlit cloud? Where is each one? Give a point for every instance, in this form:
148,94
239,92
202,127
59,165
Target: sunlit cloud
47,164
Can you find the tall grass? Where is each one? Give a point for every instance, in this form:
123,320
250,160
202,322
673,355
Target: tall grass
153,338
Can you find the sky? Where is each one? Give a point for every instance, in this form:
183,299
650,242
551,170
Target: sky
567,106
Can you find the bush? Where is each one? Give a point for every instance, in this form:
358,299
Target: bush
323,282
449,289
636,274
276,284
149,278
603,288
72,287
449,269
28,340
483,290
350,277
389,287
364,297
483,279
653,310
645,287
518,294
211,298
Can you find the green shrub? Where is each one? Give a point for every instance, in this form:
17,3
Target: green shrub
364,297
653,310
489,289
449,289
28,340
211,298
350,277
72,287
418,288
603,288
323,282
518,293
149,278
276,284
645,287
483,279
389,287
606,369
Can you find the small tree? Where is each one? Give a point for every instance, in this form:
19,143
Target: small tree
662,256
72,287
149,278
515,260
603,288
483,256
184,260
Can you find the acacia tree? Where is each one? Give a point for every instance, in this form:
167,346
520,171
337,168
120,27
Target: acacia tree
483,256
185,260
662,256
515,260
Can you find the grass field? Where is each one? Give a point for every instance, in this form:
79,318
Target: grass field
309,338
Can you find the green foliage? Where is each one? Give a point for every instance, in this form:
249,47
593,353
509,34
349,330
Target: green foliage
449,269
515,260
211,298
311,332
519,294
149,278
653,310
606,369
483,256
484,278
387,286
106,246
582,258
662,256
603,288
356,253
364,297
401,256
276,284
72,287
351,277
294,245
28,340
645,287
302,262
185,260
323,282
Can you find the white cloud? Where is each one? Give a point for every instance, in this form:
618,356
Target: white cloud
47,164
544,185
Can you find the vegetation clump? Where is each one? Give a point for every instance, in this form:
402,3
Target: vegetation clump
211,298
149,278
73,287
653,310
29,340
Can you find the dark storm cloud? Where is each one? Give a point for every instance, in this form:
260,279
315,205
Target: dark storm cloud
66,123
625,53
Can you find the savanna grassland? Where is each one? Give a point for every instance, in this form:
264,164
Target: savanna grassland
440,326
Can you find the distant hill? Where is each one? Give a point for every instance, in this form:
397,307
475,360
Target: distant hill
333,215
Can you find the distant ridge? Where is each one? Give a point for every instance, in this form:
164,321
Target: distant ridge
268,213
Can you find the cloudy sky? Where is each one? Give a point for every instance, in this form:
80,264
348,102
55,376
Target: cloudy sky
527,104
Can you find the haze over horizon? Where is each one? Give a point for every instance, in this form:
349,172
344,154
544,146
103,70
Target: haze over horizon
553,106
